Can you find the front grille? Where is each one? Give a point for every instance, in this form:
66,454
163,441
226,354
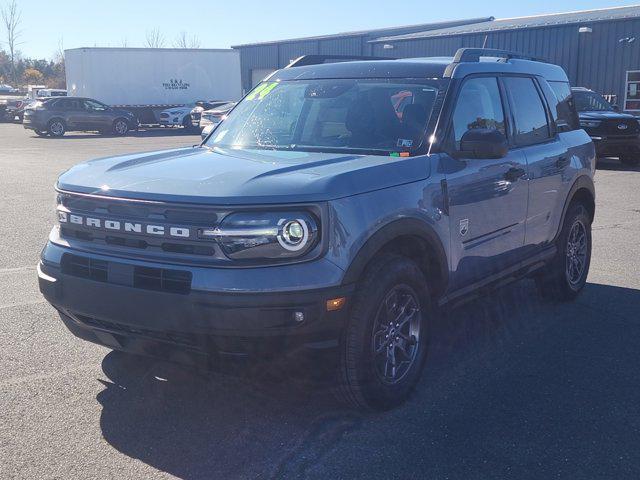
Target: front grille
148,278
178,338
610,127
174,281
85,267
188,249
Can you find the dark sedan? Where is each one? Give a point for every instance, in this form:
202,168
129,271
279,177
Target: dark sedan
55,116
614,134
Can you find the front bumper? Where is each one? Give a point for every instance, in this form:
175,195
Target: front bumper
199,324
31,123
616,145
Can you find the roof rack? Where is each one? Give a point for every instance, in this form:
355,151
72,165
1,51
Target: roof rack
305,60
473,55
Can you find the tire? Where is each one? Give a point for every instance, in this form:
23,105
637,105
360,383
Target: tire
630,161
56,128
41,133
120,127
566,274
186,123
368,380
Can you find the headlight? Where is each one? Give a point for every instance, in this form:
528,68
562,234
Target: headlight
265,235
590,123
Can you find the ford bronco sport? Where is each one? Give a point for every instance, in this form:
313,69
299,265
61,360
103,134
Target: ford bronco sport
338,207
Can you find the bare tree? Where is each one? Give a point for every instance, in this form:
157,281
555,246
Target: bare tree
11,18
182,41
58,56
155,39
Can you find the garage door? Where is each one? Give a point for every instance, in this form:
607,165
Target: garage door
258,74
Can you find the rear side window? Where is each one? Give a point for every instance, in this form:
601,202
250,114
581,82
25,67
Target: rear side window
562,106
67,104
479,105
529,115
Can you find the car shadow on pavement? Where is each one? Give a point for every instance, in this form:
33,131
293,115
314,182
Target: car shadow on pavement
513,384
615,165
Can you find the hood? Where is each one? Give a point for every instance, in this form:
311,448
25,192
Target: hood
232,177
599,115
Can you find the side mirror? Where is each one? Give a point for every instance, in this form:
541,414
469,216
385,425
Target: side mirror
616,107
483,143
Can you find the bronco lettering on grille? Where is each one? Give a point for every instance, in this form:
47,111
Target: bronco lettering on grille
121,226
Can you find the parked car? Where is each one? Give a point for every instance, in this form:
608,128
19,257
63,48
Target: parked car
177,117
57,115
206,131
4,89
14,109
615,134
200,107
215,115
51,92
314,218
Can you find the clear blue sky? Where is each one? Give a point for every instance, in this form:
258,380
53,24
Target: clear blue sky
220,24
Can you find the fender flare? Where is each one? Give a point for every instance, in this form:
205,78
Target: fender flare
395,229
582,182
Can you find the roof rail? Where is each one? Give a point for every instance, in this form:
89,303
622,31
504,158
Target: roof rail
305,60
473,55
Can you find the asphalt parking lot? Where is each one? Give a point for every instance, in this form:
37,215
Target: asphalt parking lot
515,387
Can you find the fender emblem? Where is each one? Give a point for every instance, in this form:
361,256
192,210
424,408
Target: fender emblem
464,226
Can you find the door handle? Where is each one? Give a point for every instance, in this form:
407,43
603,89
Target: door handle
513,174
562,162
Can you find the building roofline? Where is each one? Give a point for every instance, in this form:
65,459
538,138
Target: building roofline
488,25
373,31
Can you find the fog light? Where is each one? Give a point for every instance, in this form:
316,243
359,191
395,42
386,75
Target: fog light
298,317
336,304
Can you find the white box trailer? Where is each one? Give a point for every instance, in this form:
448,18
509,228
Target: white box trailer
147,80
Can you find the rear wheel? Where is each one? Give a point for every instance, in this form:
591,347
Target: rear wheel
56,128
120,127
384,347
566,274
630,160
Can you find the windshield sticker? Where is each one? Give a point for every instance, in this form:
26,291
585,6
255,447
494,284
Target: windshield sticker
404,142
262,91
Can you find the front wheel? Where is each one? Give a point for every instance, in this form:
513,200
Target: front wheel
120,127
566,274
187,124
384,346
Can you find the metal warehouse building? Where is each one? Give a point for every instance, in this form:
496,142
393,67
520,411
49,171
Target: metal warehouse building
599,49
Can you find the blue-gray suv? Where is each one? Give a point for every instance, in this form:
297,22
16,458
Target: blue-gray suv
339,207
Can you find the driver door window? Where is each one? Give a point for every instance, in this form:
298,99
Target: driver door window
479,105
92,106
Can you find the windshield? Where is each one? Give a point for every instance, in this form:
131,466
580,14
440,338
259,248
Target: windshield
359,115
591,102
